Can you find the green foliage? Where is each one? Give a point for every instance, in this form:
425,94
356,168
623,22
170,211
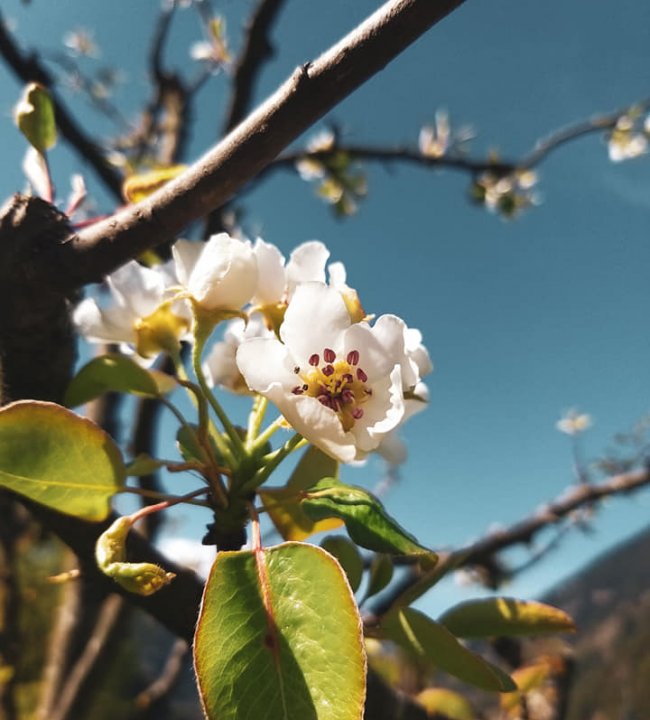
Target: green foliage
58,459
279,636
489,617
284,504
116,373
34,116
432,642
348,557
367,523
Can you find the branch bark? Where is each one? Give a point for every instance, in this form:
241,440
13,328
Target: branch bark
309,93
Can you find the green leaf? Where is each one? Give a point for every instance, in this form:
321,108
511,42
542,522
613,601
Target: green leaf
367,523
440,702
34,116
431,641
284,504
280,638
381,573
116,373
58,459
489,617
143,464
348,557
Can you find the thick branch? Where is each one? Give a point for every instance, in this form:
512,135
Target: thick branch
309,93
28,68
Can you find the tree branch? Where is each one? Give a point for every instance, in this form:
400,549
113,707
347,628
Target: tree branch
309,93
28,68
257,49
483,552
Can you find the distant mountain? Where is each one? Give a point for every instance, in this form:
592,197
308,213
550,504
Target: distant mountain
610,602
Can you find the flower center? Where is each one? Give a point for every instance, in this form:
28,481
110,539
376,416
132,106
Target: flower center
159,331
339,384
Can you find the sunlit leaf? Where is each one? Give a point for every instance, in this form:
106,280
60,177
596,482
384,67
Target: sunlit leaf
381,573
348,556
431,641
367,523
280,638
34,115
138,187
488,617
284,504
143,464
58,459
526,678
440,702
116,373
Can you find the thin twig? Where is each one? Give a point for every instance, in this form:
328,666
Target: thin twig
28,68
163,684
256,51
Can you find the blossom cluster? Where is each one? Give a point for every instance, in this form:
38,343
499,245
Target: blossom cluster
296,334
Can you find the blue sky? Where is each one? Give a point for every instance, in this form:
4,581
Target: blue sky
523,319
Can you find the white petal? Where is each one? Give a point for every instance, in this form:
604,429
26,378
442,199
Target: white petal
225,275
137,288
383,412
315,319
377,357
307,264
316,423
115,325
265,362
271,280
186,253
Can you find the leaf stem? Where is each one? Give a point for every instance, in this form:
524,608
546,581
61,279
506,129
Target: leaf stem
260,403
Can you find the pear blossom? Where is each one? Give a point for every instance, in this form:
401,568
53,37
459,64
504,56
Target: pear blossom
573,422
625,142
219,275
337,382
141,316
310,168
220,366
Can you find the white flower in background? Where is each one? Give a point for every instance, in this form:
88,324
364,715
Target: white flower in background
625,142
220,366
81,42
338,383
220,274
437,140
573,422
141,316
310,168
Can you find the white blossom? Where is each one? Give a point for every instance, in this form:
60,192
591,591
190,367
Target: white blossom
337,382
220,274
573,422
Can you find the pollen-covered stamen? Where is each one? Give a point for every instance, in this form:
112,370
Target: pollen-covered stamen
339,385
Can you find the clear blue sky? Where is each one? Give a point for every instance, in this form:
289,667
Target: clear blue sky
523,319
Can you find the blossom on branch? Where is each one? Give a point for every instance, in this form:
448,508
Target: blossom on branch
574,423
337,382
219,275
142,316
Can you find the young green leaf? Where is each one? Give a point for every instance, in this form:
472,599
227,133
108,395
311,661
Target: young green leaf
381,573
143,464
367,523
284,504
116,373
348,556
34,116
279,637
489,617
141,578
58,459
431,641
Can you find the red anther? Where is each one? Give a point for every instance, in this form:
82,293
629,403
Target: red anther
325,400
353,357
347,396
314,360
361,375
328,370
357,413
348,378
298,390
329,355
